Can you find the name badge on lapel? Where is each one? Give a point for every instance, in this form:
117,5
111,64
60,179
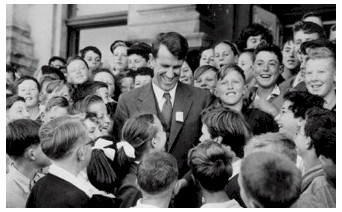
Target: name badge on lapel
179,116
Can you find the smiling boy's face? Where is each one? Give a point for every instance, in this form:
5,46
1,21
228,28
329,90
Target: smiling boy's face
266,69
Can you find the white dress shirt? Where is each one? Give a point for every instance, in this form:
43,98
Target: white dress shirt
159,93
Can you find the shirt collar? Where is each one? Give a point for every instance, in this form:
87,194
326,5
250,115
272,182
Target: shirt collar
67,176
20,179
141,205
275,92
160,92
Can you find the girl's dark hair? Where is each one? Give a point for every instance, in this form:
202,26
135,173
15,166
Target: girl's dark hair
13,99
254,30
138,131
100,172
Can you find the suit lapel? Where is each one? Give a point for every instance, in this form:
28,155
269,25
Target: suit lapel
146,101
182,104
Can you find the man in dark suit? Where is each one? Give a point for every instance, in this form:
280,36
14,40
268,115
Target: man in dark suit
177,105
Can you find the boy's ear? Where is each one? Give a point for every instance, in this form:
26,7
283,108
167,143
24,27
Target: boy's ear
30,153
80,153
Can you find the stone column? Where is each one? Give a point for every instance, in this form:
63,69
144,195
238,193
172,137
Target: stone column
146,21
19,45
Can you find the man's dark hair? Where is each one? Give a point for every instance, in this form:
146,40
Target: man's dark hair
90,48
269,48
174,42
320,126
21,134
302,101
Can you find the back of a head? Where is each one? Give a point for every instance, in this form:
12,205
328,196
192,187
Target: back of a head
272,142
174,42
228,124
210,164
157,171
139,130
320,126
21,134
60,136
269,180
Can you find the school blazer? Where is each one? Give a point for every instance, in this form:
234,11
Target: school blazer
185,128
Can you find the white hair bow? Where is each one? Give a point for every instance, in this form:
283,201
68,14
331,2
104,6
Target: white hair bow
127,147
101,143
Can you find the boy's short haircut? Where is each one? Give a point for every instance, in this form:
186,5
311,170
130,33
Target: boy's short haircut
24,78
309,28
118,43
319,48
232,45
271,180
72,59
142,49
273,142
320,126
58,101
200,70
156,172
100,70
56,58
250,52
21,134
13,99
211,165
61,135
302,101
144,71
47,70
269,48
90,48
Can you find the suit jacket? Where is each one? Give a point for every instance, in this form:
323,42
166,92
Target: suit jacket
190,101
54,192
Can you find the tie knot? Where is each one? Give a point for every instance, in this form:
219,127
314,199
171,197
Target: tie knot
167,96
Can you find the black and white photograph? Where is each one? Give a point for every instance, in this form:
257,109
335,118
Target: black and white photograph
170,105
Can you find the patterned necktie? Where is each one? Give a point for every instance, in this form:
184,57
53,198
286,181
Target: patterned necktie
167,110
